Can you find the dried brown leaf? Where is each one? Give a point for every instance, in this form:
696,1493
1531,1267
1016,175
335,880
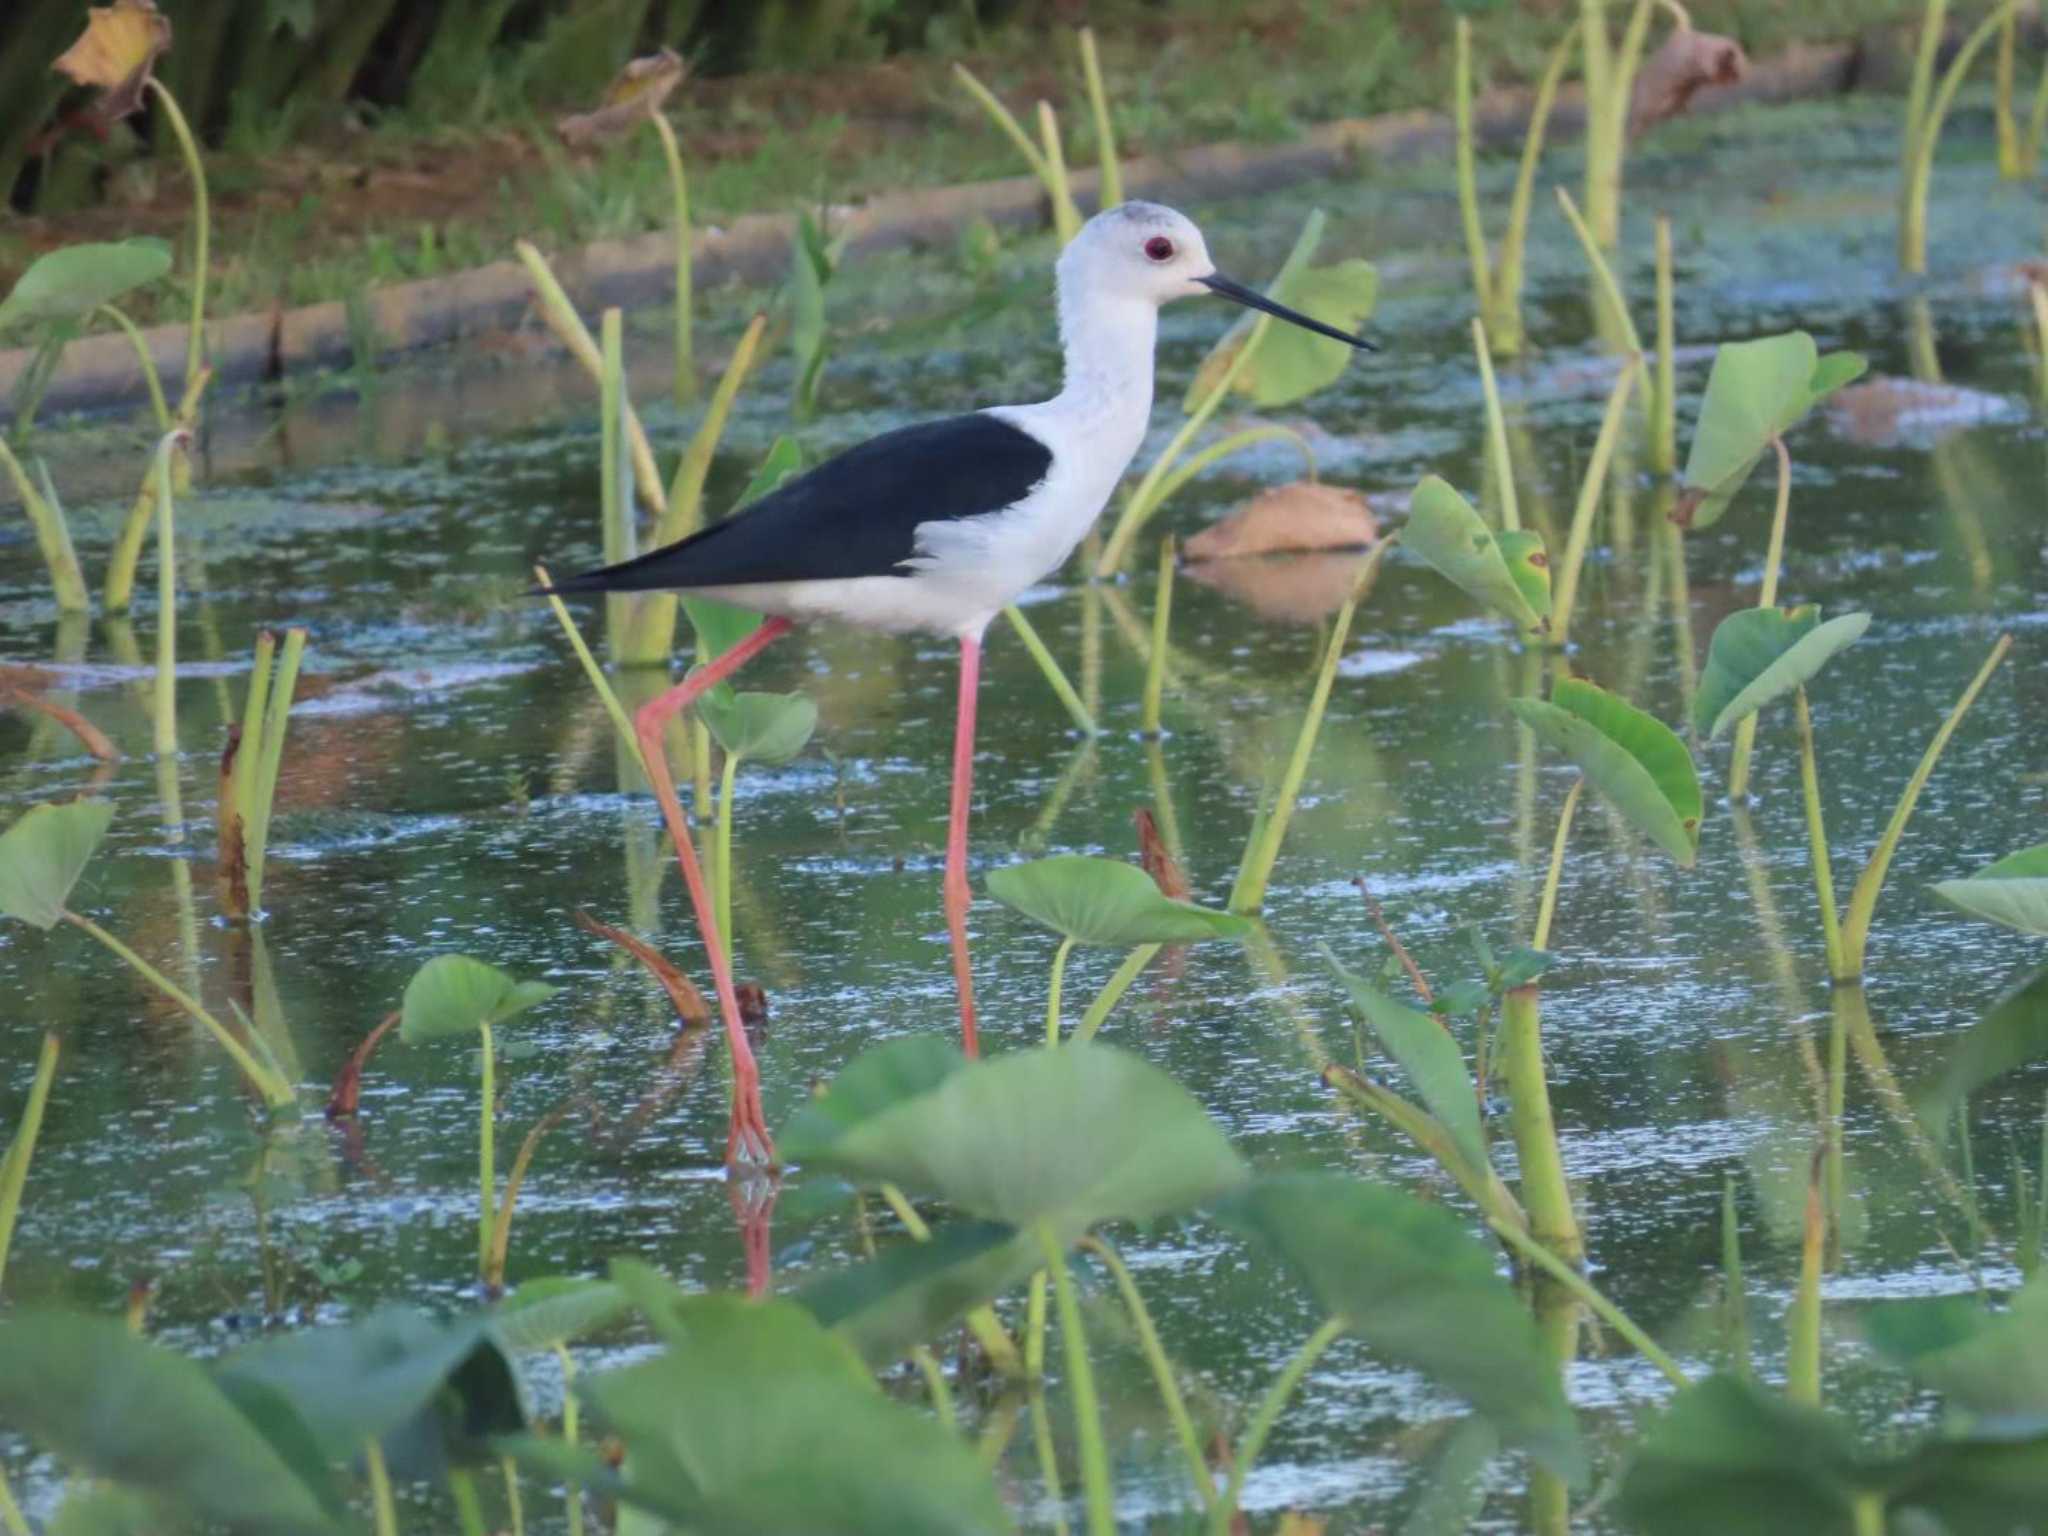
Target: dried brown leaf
1285,589
1304,515
1158,859
1687,63
638,92
689,1003
116,54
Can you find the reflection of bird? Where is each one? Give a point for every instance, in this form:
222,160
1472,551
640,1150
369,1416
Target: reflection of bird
936,528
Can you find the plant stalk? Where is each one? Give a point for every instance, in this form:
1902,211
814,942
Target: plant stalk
1497,453
1547,907
1817,836
1052,992
384,1509
679,192
1094,1452
1664,419
1113,990
1162,618
1223,1511
1565,594
486,1152
1802,1350
1066,218
202,228
159,406
14,1166
1049,665
12,1520
1162,1368
165,706
1041,1421
728,783
1734,1301
1546,1195
53,538
1924,132
1110,185
1585,1291
1774,560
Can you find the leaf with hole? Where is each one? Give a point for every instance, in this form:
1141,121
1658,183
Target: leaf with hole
2014,891
1632,758
1072,1137
1761,654
1106,902
1428,1056
1414,1284
453,995
1449,535
1756,391
74,281
43,854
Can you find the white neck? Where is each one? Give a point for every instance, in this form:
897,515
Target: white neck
1108,343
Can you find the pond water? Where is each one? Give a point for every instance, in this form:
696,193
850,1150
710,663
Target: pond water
451,784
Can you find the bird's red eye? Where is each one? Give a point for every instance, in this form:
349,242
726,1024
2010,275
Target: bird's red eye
1159,248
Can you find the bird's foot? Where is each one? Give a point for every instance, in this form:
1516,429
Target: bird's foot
748,1146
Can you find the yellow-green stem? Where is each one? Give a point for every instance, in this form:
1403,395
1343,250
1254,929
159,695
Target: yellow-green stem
1564,596
679,192
165,707
1222,448
1049,666
1664,420
1093,1450
53,537
158,405
1504,319
2011,158
1735,1301
1162,618
1052,991
1041,1420
1003,119
1113,990
1265,1417
514,1508
486,1152
469,1509
1545,1194
1774,559
202,227
1468,171
1933,22
1546,909
572,1495
1066,218
1162,1368
1925,138
1802,1349
14,1166
384,1509
1497,453
614,506
1568,1277
1817,836
277,707
12,1520
1110,187
728,780
593,671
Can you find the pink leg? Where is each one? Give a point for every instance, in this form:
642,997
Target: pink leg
957,892
748,1139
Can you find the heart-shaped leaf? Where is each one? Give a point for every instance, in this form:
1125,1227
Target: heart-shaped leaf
79,278
43,854
1412,1282
1630,757
1210,371
1106,902
1762,654
1756,391
915,1290
879,1078
1447,533
1291,363
760,727
115,1407
2014,891
1529,563
454,995
555,1309
1072,1137
1427,1054
2012,1034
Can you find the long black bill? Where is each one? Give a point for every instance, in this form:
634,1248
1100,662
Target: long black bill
1251,298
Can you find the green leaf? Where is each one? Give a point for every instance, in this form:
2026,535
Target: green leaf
1292,363
555,1309
1210,371
454,995
118,1408
1522,966
1993,1486
1756,391
1630,757
43,854
1450,536
1427,1054
1413,1283
1990,1365
783,462
103,1509
2014,891
1762,654
915,1290
2012,1034
880,1078
1106,902
1074,1136
1529,563
760,727
1729,1456
79,278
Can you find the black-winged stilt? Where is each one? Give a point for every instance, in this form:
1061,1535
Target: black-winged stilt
936,527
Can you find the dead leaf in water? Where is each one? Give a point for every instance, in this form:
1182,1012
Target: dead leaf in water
691,1009
1884,411
348,1082
638,92
1286,589
1159,861
1686,64
1304,515
116,54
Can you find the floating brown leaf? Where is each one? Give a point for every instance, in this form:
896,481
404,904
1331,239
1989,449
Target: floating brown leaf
1688,62
690,1006
1159,861
116,53
1304,515
1286,589
1884,410
638,92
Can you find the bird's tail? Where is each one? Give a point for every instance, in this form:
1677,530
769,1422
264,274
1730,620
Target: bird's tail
659,570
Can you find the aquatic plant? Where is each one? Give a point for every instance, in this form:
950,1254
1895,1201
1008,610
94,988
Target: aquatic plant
812,261
1047,158
1927,107
249,771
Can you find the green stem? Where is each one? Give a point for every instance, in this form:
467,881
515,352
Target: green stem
12,1520
1601,1307
593,671
728,780
1774,560
274,1091
572,1495
1664,421
1050,667
1802,1349
1817,836
469,1509
1920,168
2011,162
1221,449
1735,1301
1603,277
1052,992
1113,990
1066,218
935,1385
166,698
202,228
14,1166
1041,1421
1468,171
1003,119
1545,1194
1566,593
1933,22
679,191
1162,618
384,1509
486,1152
53,537
614,514
1284,1385
1094,1451
1496,427
1863,897
1162,1368
262,792
150,378
1110,186
514,1507
1504,321
981,1322
1547,908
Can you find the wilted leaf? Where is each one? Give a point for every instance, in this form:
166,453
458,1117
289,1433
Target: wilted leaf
691,1008
760,727
2014,891
43,854
76,280
1686,64
1304,515
635,95
455,995
1106,902
1446,532
1632,758
1756,391
1434,1064
115,54
1157,859
1762,654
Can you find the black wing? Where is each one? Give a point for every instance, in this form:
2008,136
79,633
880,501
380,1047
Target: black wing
854,515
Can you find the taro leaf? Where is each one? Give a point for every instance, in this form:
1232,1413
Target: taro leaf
914,1290
2014,891
1990,1366
1291,363
454,995
555,1309
1992,1485
79,278
118,1408
1413,1283
1445,531
757,1419
1762,654
1632,758
43,854
2013,1033
431,1392
1756,391
1529,563
1428,1055
760,727
878,1079
1106,902
1729,1456
1071,1137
